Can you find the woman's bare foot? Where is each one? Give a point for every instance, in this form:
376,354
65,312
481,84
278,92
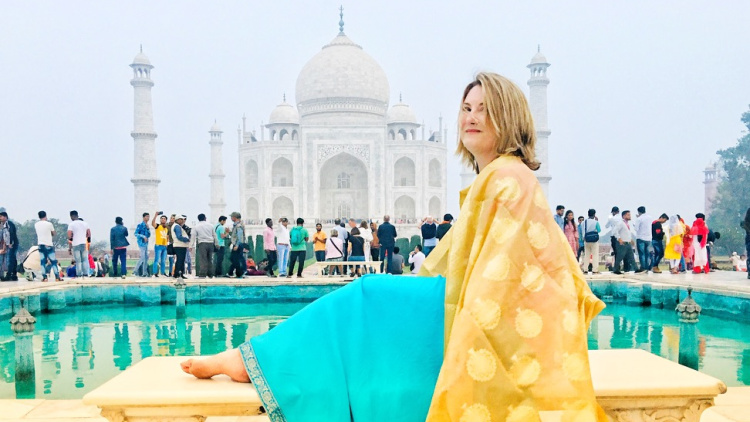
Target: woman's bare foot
228,363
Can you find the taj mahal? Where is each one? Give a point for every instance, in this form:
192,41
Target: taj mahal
339,150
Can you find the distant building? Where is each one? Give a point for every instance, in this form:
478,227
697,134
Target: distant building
710,186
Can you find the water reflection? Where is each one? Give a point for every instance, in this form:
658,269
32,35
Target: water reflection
121,337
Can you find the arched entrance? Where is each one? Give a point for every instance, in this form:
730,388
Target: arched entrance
343,188
283,207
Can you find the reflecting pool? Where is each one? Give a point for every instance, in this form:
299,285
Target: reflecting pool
77,350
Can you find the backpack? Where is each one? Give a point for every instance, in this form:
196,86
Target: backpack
296,236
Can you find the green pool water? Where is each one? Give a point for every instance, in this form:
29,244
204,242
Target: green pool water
76,351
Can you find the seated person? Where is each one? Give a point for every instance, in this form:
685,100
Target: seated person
397,261
105,266
738,263
416,258
71,270
252,269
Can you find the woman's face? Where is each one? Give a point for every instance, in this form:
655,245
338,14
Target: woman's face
477,133
569,216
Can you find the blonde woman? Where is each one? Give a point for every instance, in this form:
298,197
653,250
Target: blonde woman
494,330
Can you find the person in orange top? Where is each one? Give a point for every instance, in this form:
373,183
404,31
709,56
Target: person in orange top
319,243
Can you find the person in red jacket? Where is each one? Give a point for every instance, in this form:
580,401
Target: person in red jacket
700,238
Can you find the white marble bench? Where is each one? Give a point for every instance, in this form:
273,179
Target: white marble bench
375,265
631,385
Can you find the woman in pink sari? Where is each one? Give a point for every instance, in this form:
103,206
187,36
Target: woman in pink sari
571,230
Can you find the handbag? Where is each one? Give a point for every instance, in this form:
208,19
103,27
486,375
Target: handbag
589,237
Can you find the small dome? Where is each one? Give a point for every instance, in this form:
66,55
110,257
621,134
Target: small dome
215,127
141,58
284,113
401,113
538,58
342,70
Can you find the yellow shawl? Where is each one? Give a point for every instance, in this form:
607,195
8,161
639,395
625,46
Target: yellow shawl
517,308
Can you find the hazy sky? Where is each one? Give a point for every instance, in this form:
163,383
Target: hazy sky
642,93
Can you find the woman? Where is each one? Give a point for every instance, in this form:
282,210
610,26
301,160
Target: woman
375,244
334,252
366,233
673,251
745,224
571,230
700,253
506,341
687,248
356,250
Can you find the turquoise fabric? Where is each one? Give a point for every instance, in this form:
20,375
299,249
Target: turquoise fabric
370,351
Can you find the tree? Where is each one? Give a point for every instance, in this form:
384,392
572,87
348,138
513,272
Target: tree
732,197
27,234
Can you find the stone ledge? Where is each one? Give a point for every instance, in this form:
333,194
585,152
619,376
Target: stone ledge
631,385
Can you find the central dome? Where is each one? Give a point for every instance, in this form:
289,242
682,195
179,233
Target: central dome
342,71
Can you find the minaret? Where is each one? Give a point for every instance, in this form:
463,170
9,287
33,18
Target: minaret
711,182
217,204
145,181
538,102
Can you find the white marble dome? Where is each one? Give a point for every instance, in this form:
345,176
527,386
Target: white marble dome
538,58
401,113
141,58
342,70
284,113
215,127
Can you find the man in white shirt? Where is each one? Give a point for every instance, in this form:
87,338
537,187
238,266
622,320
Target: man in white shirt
612,223
78,236
416,257
643,239
282,245
624,235
45,234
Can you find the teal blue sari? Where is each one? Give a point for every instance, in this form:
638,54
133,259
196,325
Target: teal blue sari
370,351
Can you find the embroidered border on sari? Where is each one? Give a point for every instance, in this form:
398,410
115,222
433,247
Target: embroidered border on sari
261,385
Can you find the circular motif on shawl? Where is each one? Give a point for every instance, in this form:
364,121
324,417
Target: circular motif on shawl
522,413
538,235
477,412
539,199
570,322
568,284
481,365
486,313
525,371
528,323
497,268
504,229
574,366
532,278
508,188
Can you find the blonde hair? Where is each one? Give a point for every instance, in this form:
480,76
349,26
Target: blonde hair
508,112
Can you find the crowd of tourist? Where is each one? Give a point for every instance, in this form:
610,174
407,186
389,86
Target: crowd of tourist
685,247
173,242
638,244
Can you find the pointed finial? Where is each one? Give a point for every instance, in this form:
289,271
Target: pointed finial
538,48
141,48
399,98
341,20
285,97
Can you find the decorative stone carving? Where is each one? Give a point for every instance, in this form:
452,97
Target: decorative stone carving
359,151
689,413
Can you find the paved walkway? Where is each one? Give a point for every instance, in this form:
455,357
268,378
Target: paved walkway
728,281
722,281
